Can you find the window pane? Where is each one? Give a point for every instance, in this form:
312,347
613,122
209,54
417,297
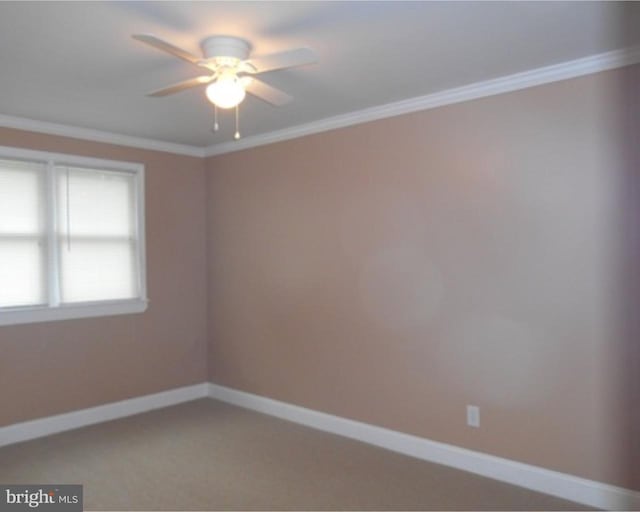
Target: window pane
69,234
22,236
93,202
92,270
21,197
22,279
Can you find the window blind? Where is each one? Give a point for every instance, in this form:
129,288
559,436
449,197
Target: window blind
23,246
96,235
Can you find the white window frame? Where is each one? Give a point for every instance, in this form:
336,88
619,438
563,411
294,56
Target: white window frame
54,310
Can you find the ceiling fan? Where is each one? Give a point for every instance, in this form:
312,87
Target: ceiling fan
230,71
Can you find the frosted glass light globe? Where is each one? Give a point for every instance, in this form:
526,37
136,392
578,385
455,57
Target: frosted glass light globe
226,91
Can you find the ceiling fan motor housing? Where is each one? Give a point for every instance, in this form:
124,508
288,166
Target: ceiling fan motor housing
226,46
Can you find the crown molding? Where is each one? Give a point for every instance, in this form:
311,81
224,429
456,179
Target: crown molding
539,76
548,74
32,125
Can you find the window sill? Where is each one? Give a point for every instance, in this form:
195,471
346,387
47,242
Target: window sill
67,312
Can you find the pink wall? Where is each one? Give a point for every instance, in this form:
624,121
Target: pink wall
396,271
482,253
55,367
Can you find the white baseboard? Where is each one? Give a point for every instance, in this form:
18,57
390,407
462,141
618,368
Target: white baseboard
562,485
580,490
33,429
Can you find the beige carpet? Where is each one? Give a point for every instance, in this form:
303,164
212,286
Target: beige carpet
206,455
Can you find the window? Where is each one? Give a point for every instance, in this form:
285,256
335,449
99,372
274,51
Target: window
71,237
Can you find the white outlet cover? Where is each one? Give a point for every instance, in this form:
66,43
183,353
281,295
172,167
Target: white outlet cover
473,415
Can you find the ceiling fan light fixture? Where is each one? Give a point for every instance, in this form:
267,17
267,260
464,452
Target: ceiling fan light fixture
226,57
226,92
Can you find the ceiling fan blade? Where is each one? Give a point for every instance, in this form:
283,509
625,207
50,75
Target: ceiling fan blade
288,59
181,86
266,92
167,47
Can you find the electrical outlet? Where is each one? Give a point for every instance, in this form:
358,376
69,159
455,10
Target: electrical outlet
473,415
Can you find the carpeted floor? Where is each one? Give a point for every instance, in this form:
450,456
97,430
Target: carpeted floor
206,455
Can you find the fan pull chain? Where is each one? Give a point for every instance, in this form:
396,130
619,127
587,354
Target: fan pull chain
237,134
216,126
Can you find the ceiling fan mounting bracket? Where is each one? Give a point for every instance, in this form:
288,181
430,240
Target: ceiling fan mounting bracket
217,47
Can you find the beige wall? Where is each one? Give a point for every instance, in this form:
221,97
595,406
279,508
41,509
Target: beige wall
50,368
396,271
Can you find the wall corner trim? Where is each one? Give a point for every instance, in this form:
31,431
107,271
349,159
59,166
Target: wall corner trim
562,485
25,431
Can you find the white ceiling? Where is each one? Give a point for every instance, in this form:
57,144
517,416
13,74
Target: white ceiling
74,63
